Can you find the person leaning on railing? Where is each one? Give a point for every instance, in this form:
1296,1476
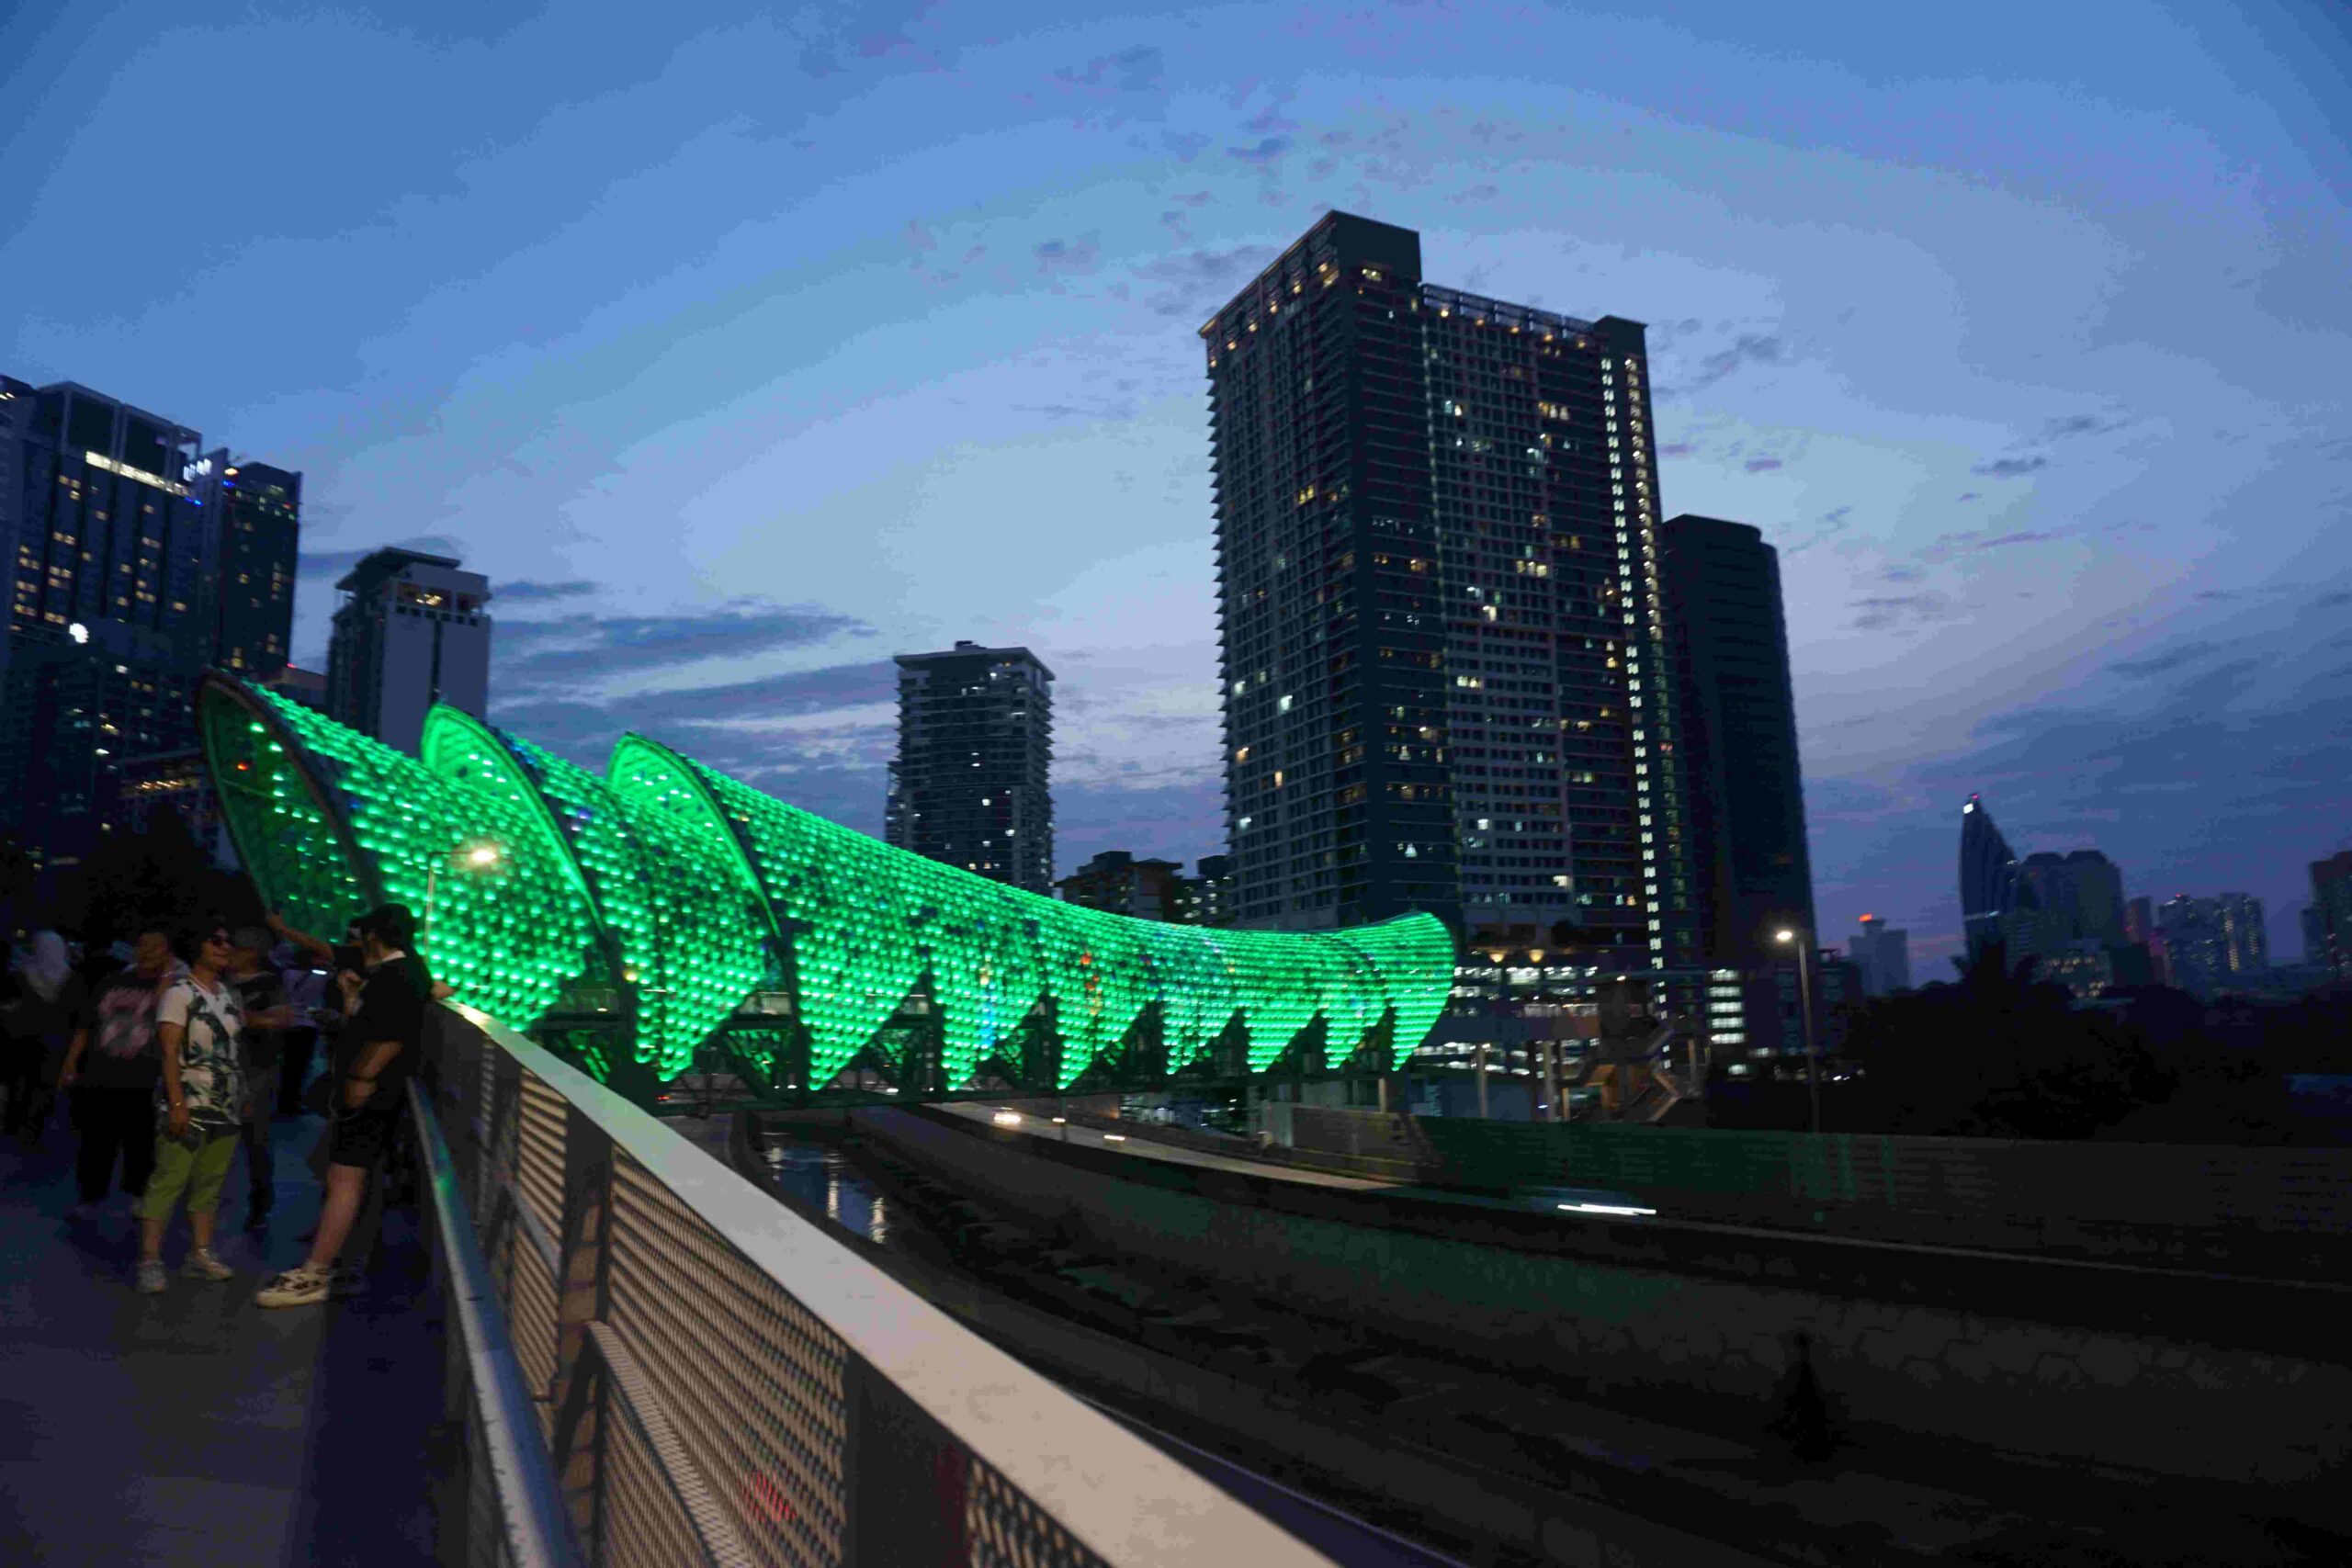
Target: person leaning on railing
384,997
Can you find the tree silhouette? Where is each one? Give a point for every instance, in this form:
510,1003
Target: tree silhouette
1999,1053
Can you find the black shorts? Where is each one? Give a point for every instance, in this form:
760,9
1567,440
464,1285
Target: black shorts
362,1137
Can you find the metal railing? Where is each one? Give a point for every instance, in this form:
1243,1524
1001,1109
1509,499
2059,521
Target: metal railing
657,1364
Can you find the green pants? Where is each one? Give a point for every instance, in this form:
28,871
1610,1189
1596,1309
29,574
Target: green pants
200,1172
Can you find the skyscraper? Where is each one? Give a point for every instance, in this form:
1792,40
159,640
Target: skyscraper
110,558
1449,682
2245,940
1990,890
412,631
1884,956
1753,871
970,786
2196,949
256,512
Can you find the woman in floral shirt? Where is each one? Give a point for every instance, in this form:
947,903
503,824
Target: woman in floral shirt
200,1026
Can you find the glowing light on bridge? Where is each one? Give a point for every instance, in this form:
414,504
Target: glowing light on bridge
703,905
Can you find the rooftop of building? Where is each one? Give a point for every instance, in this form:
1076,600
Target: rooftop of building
1370,242
392,561
965,649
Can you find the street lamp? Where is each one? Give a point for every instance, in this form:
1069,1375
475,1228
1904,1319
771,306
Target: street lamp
1804,1003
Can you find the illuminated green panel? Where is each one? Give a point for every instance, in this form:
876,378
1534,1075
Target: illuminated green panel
1094,973
509,937
651,882
1414,958
300,861
986,1004
655,785
848,900
703,953
1354,1000
983,977
868,921
1196,999
692,878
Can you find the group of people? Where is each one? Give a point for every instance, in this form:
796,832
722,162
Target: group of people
175,1060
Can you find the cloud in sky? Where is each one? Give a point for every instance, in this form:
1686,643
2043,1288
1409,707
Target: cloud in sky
524,331
2011,468
523,591
584,646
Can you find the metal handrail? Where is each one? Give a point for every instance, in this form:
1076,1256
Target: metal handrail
530,1507
731,1385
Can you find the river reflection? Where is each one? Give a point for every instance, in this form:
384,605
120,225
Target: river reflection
819,1176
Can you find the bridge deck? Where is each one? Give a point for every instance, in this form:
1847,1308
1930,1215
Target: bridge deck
193,1426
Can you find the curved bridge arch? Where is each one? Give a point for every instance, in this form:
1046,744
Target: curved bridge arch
716,907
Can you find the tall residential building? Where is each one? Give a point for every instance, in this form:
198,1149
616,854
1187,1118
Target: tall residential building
1117,882
2139,921
412,630
975,744
2245,939
1449,678
2095,896
256,512
111,557
2314,920
2073,897
74,714
1884,956
1208,892
1753,871
1990,890
2332,896
2196,947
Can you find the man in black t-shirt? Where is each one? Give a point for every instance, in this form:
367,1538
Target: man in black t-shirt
382,1035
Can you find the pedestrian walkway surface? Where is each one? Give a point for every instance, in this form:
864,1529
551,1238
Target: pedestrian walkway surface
194,1426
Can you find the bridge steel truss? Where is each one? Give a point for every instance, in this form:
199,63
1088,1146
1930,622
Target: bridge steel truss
637,920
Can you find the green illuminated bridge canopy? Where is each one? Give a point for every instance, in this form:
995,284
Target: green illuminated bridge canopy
637,917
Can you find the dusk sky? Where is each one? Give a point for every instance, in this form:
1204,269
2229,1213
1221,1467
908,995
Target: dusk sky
744,348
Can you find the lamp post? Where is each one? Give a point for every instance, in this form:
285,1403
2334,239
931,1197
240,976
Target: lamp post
1804,1004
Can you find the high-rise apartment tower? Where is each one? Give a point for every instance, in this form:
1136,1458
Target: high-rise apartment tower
1448,674
110,558
1991,891
257,512
1754,872
976,745
412,630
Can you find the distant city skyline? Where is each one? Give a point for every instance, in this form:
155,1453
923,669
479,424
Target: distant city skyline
724,423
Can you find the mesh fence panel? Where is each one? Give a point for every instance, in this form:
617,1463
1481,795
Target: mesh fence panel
1004,1530
724,1405
644,1526
765,1418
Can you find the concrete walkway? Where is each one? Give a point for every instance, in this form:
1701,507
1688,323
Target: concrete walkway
193,1426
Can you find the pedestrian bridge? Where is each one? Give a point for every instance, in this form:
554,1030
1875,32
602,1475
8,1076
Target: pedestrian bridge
627,921
619,1352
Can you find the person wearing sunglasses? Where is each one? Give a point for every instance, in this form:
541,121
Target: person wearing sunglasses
201,1025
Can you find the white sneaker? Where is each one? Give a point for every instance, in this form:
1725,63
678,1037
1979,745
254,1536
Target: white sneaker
296,1287
151,1278
202,1265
